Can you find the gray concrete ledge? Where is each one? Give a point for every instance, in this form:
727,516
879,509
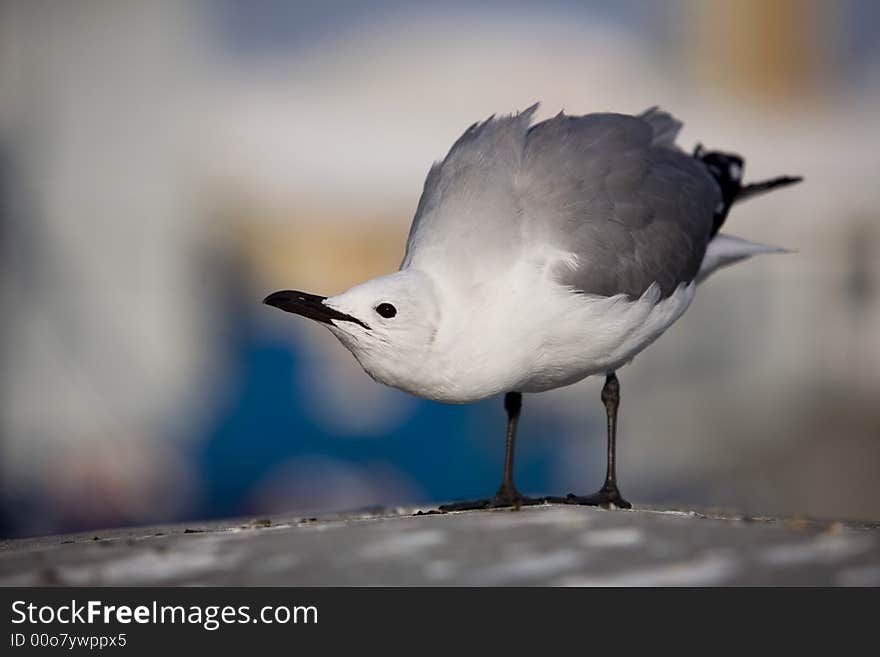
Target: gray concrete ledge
545,545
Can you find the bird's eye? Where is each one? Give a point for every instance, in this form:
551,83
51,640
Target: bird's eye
386,310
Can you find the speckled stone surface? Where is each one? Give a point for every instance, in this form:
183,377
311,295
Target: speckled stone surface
545,545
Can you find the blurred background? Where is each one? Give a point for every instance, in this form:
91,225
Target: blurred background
165,165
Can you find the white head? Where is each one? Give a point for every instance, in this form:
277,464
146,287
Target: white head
389,323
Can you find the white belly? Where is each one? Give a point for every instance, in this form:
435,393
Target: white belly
599,335
542,339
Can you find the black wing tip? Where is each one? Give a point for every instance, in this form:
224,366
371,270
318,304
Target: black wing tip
753,189
784,180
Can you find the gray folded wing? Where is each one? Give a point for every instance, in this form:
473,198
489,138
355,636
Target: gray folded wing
468,221
610,190
615,192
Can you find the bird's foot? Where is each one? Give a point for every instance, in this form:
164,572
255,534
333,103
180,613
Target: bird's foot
608,497
505,497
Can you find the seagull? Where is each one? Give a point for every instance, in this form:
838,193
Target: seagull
540,255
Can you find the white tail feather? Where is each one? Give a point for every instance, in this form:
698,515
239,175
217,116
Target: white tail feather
726,250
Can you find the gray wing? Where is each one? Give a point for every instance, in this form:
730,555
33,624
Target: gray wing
615,191
468,210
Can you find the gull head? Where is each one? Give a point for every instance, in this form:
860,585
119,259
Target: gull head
388,323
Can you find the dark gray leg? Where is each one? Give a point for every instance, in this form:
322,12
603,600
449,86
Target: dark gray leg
507,494
608,495
513,406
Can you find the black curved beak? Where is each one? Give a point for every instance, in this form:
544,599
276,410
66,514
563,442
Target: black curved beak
308,305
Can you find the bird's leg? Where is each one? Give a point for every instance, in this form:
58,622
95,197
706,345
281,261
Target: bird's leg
609,492
608,495
513,406
507,494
